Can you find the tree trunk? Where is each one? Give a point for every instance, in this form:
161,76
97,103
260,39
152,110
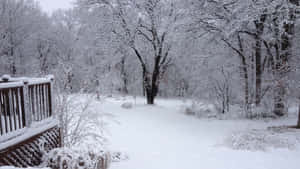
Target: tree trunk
246,87
298,124
144,90
151,93
151,90
12,66
150,97
244,69
282,65
279,98
124,76
259,24
258,71
148,89
245,74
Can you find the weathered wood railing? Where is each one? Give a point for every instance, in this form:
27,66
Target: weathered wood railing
27,126
40,100
24,101
12,111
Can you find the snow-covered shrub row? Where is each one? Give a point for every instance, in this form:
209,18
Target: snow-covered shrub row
260,112
262,140
209,110
65,158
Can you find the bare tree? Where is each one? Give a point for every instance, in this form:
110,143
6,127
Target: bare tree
19,23
222,90
146,27
298,124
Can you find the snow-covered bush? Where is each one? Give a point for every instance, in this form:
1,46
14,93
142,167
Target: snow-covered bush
209,110
118,157
65,158
81,120
262,140
260,112
127,105
221,88
200,110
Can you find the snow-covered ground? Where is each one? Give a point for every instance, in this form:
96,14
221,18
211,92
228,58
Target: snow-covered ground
161,137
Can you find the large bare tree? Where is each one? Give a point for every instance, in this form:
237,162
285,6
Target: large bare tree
147,27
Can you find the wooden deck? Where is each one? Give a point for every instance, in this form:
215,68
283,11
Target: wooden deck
28,128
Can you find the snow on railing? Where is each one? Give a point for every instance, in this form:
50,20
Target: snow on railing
23,101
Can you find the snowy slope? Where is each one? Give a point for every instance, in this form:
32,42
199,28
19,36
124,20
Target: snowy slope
160,137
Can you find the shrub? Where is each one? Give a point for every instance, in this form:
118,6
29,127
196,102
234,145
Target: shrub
65,158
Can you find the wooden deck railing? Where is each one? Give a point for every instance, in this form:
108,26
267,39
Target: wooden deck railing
23,101
12,110
27,128
40,100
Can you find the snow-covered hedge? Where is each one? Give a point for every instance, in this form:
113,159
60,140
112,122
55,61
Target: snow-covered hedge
65,158
262,140
209,110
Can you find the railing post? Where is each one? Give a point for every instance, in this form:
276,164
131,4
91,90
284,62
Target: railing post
6,78
51,78
28,114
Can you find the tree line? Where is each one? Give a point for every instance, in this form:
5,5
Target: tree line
231,52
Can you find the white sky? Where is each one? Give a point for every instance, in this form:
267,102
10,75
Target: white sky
51,5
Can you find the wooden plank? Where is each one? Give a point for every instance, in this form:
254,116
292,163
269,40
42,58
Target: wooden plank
13,104
1,113
9,85
8,102
23,107
31,89
37,103
43,100
49,98
9,116
40,81
8,109
5,110
18,107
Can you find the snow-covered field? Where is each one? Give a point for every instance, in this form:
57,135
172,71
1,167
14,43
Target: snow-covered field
161,137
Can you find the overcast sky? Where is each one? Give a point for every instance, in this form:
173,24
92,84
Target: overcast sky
50,5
